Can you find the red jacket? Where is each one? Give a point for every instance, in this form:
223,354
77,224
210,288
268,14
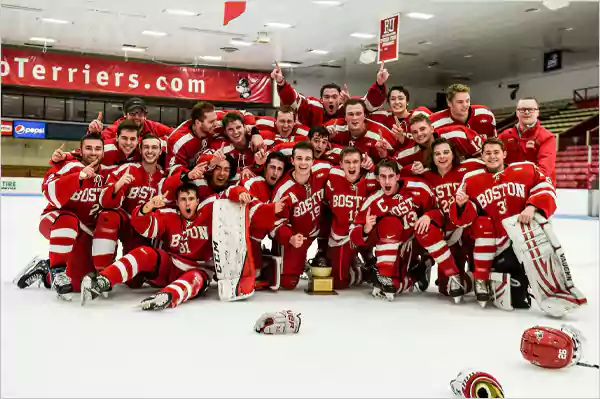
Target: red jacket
536,145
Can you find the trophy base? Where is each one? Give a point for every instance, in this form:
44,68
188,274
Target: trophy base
320,286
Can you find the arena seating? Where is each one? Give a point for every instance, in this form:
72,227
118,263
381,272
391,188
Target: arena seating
572,168
567,118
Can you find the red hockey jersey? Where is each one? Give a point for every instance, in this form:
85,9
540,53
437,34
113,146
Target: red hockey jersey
187,241
310,110
261,212
63,190
466,141
366,142
388,119
480,119
332,157
184,148
345,199
504,194
445,186
268,130
302,212
141,190
413,200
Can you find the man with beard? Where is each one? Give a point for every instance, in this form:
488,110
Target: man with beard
460,112
181,267
345,191
283,128
397,118
299,221
393,214
415,149
73,190
315,112
129,186
135,110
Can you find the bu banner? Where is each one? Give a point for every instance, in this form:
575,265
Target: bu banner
388,39
24,67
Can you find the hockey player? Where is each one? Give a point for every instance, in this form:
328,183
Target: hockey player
298,223
315,112
129,186
262,222
513,203
283,128
181,267
325,152
68,222
397,118
135,110
346,190
393,214
414,150
460,112
444,175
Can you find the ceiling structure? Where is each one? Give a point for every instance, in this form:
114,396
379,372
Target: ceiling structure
472,40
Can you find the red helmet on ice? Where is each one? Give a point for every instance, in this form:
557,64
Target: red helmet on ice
470,383
551,348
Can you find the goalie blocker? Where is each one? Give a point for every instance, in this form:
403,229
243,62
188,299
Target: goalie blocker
538,249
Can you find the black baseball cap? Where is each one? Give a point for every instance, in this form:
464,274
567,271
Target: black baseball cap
134,103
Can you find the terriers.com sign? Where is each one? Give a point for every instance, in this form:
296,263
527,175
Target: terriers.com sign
73,72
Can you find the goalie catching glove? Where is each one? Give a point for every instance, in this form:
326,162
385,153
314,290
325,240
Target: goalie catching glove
282,322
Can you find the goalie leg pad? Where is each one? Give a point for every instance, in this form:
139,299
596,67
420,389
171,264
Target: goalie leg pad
545,265
232,251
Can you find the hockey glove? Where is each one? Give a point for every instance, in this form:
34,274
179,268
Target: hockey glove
282,322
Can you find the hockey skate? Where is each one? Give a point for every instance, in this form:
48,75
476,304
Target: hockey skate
482,292
158,301
421,274
92,286
455,288
384,288
34,272
61,283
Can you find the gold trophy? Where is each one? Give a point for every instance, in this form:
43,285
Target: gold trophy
320,282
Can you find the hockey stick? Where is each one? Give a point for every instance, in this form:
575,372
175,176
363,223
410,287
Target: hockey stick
593,366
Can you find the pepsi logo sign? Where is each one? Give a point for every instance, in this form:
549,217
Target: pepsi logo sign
30,129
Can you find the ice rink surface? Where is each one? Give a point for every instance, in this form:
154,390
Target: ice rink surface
349,346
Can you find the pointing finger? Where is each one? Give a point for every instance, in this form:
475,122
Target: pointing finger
99,116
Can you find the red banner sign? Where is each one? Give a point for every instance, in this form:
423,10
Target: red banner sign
389,35
7,128
23,67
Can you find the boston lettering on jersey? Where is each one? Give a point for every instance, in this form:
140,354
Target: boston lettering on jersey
192,232
87,194
500,191
314,201
347,201
141,193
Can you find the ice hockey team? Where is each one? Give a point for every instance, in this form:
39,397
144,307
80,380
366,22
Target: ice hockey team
386,194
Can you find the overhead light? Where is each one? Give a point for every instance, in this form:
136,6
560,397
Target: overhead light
42,39
468,56
181,13
424,42
321,52
54,21
287,64
154,33
532,10
330,3
278,25
238,42
263,37
362,35
134,49
211,57
566,29
419,15
554,5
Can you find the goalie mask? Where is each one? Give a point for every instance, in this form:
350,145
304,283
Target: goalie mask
551,348
476,384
